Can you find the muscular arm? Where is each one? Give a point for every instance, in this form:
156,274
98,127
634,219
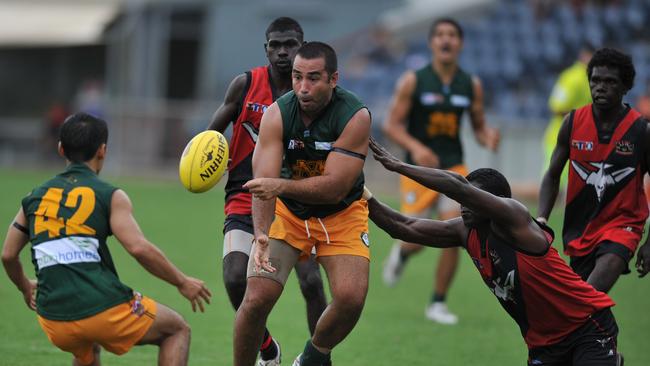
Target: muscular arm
341,170
485,134
509,217
128,233
551,181
230,108
432,233
267,162
395,126
13,245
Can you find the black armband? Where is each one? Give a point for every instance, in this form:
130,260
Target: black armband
21,228
349,153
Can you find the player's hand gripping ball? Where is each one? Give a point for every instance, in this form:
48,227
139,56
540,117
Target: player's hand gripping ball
204,161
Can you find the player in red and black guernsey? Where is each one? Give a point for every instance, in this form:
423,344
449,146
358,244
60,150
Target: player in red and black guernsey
564,320
247,97
607,144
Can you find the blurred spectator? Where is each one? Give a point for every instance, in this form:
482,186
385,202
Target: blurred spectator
90,98
643,103
571,91
54,117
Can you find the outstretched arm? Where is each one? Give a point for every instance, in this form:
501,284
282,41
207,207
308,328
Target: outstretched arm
485,134
508,217
128,233
13,245
230,108
432,233
551,181
267,162
342,168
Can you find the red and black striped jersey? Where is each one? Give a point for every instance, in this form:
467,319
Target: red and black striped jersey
605,196
258,96
540,292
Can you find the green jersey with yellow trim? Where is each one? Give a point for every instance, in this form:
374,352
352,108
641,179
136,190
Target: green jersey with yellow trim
436,112
68,219
306,147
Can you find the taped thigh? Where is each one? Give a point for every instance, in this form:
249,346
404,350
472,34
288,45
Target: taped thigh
282,257
237,241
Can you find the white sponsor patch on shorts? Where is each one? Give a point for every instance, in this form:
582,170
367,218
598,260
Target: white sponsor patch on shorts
73,249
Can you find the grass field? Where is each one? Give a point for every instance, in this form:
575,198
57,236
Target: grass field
392,329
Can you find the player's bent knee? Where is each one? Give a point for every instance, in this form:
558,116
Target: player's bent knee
351,300
311,284
167,323
235,279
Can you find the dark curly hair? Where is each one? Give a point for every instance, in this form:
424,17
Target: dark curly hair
614,59
491,181
284,24
81,134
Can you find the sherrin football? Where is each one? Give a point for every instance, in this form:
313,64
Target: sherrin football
204,161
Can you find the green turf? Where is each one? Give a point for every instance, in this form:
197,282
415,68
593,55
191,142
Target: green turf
392,329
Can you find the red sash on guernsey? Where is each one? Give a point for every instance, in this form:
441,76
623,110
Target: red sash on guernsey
605,197
259,96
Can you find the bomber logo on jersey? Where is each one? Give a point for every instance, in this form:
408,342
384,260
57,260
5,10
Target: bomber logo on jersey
459,101
252,131
296,145
582,145
624,147
431,98
256,107
600,179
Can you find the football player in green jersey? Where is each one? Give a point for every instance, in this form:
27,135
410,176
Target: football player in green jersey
309,155
79,300
424,119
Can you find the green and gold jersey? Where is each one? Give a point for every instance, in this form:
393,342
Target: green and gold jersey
436,112
307,148
68,219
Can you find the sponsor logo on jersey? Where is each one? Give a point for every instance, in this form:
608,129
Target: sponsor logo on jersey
600,178
307,168
68,250
296,145
459,101
431,98
624,147
582,145
321,145
256,107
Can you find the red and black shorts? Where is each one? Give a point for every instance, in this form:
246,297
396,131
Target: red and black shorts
593,344
584,265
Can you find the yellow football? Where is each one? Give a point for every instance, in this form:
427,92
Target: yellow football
204,161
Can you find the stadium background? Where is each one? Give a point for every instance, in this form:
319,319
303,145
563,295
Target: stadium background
156,70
